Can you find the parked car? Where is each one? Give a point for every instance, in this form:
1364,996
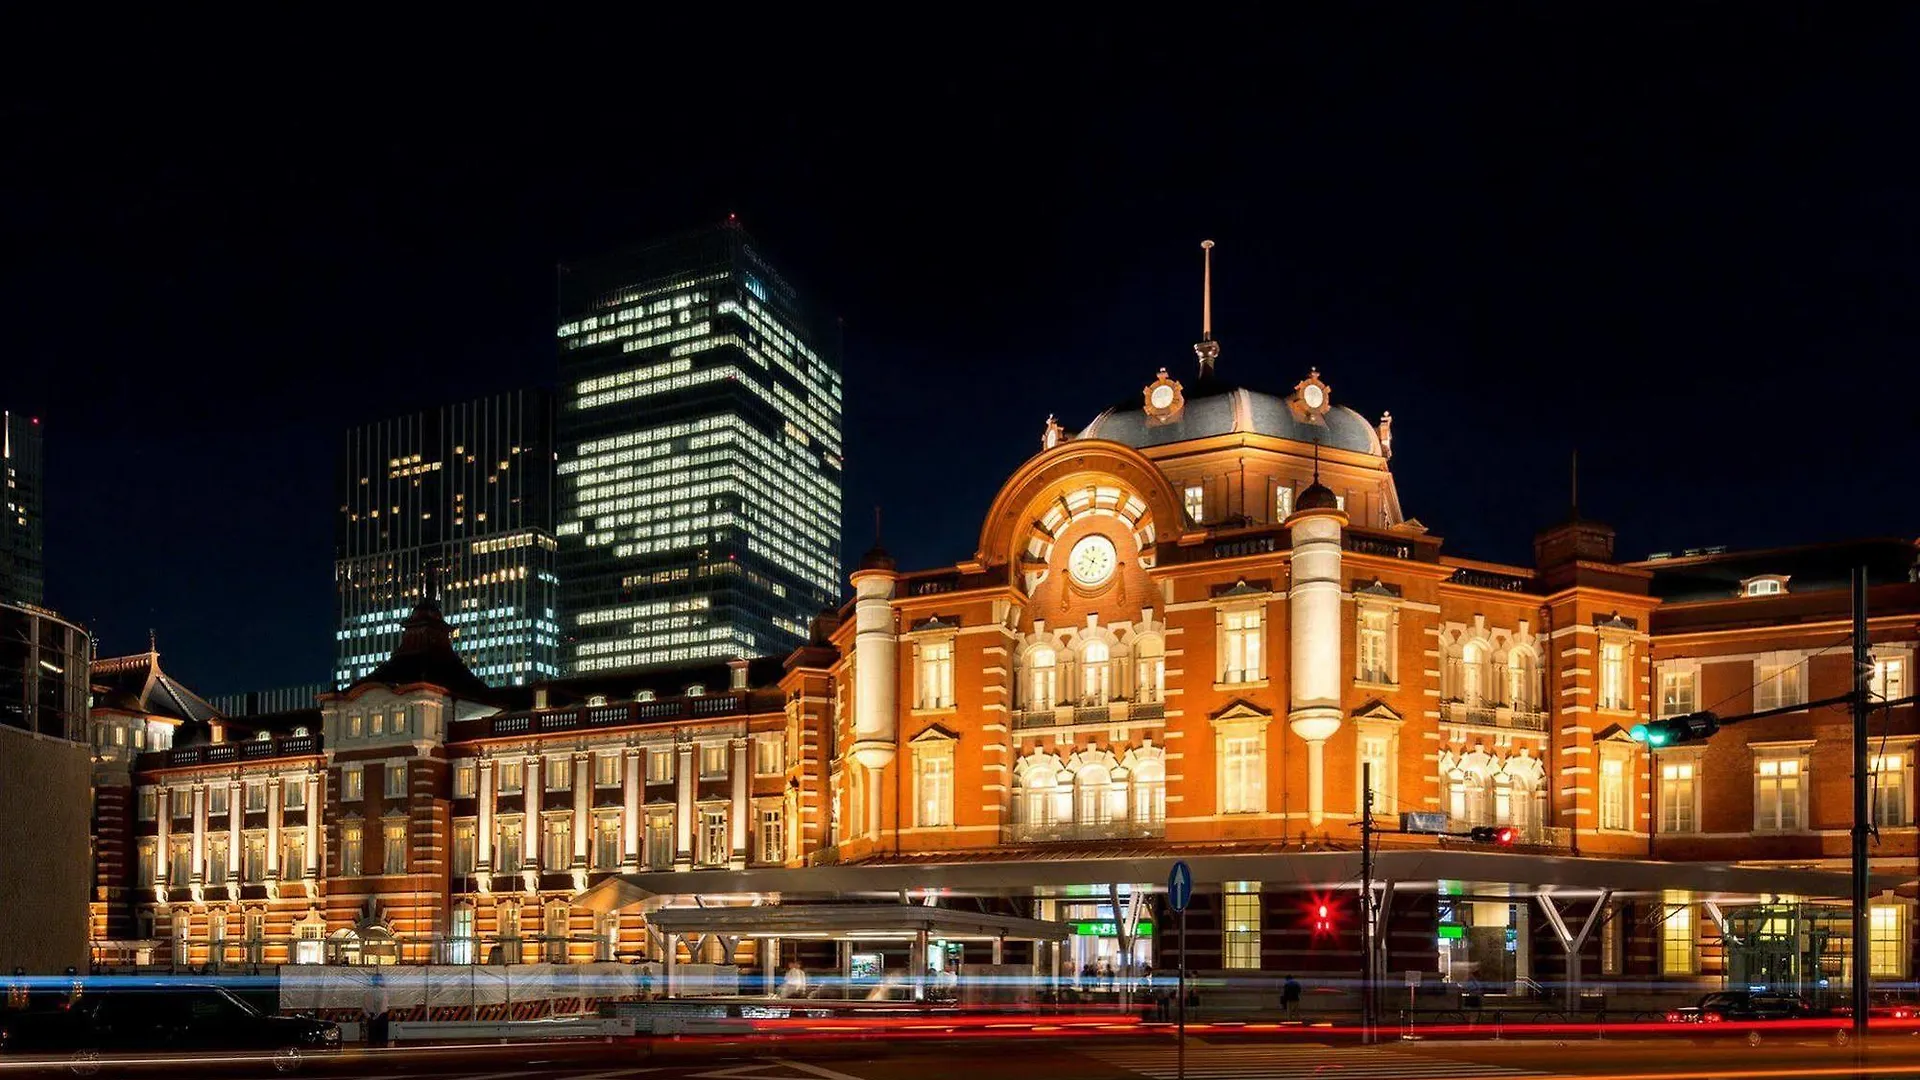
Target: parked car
196,1019
1750,1015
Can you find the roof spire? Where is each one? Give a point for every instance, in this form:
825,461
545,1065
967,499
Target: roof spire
153,641
1316,457
1206,348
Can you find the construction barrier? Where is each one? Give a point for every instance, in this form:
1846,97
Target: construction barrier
457,992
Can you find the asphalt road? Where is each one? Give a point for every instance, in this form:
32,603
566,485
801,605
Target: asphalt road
1046,1055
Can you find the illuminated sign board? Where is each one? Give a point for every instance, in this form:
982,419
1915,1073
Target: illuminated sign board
1107,928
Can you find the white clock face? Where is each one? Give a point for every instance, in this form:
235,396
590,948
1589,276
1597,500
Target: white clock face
1314,397
1162,396
1092,560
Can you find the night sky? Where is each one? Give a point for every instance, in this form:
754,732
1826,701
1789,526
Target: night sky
1684,244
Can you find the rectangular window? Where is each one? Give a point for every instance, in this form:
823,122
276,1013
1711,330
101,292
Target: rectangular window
606,771
181,857
379,723
1887,941
1243,775
393,843
1373,647
307,946
713,760
253,867
149,863
217,859
394,780
769,755
465,836
606,842
659,839
509,846
714,847
556,849
1677,953
1613,793
936,675
356,726
1777,685
182,802
1889,679
606,936
460,942
773,834
1678,694
149,803
1376,755
1613,677
1891,809
466,782
1240,926
1677,797
1282,503
659,766
1242,646
293,854
353,785
558,773
293,793
352,849
1195,498
1776,794
219,799
1610,942
256,796
509,777
933,786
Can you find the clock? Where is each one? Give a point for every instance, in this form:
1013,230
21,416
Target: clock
1311,398
1092,560
1162,399
1162,396
1314,396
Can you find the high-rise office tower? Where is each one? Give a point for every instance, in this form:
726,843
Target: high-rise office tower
700,460
458,500
22,569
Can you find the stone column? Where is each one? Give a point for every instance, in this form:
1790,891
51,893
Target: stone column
742,781
1314,622
630,826
876,685
530,833
199,833
685,779
483,831
273,829
236,839
164,871
315,793
583,789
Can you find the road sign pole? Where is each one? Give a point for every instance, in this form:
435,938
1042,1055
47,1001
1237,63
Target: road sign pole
1179,894
1181,1037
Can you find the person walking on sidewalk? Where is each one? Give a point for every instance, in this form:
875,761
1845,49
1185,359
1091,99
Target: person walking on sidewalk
1290,1000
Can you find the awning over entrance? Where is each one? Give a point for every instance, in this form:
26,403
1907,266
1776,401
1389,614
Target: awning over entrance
866,922
1325,870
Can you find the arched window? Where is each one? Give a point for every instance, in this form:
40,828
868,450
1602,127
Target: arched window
1521,681
1036,806
1473,673
1042,678
1150,675
1096,674
1091,784
1150,794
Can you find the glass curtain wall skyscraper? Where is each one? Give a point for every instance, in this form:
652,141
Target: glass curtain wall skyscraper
458,500
700,456
22,566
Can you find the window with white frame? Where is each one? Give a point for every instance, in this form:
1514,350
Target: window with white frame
218,797
714,844
1473,674
1043,685
149,864
509,777
773,833
216,858
606,936
1679,690
182,802
466,779
1150,674
606,842
149,803
1195,500
659,839
460,948
353,786
293,793
1376,765
509,845
1892,808
1679,952
1778,793
464,834
1282,503
713,760
1764,586
769,754
293,853
1240,641
1373,651
393,845
555,929
253,866
1096,673
352,849
1679,797
606,769
180,860
1889,678
1887,940
659,765
1093,795
556,842
934,683
1149,806
394,780
1779,681
556,773
1613,791
1243,770
257,793
1240,926
1523,681
933,783
1614,692
356,725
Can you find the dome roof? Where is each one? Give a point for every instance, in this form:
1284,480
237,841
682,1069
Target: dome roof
1318,496
1217,409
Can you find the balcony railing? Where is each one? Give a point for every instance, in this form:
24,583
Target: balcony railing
1498,716
628,712
1055,832
1113,712
1487,579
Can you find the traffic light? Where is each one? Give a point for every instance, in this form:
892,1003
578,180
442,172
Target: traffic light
1324,913
1676,729
1501,835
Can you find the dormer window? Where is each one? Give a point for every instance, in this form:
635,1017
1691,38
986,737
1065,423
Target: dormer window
300,732
696,689
643,695
597,700
1765,585
263,736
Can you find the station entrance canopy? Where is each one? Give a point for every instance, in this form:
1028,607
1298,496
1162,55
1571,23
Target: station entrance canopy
1042,876
865,922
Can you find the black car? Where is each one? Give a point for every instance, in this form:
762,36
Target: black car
199,1019
1748,1014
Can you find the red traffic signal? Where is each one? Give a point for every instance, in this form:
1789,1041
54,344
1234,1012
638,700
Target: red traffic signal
1323,913
1499,835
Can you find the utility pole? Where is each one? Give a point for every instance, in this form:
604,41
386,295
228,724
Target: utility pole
1862,822
1366,902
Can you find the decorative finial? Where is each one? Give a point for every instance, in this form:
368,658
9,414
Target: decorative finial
1386,435
1316,457
153,641
1206,348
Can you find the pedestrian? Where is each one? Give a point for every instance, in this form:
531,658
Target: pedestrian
795,983
1088,975
1290,999
1193,991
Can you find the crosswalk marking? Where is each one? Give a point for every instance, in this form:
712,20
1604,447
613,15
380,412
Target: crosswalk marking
1215,1062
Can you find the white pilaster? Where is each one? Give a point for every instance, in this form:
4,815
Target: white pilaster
742,778
583,779
199,832
1313,610
483,832
630,827
685,777
273,829
530,833
316,793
